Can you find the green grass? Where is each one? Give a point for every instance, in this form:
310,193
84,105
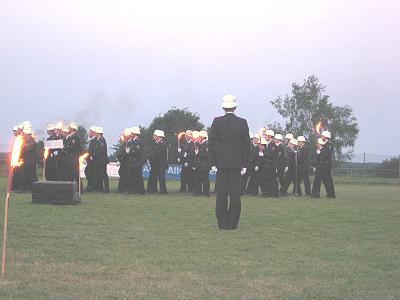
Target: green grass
167,247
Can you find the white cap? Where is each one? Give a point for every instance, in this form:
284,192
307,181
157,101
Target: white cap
27,130
288,136
73,125
65,129
321,142
26,124
15,128
263,141
301,138
269,132
20,126
135,130
159,133
229,101
127,131
278,136
98,130
189,132
294,142
92,128
251,135
326,134
195,134
203,134
50,127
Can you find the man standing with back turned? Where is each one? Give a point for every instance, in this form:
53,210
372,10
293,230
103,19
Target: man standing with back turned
229,146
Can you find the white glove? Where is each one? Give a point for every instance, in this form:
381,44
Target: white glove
185,164
318,151
286,169
214,169
243,171
260,153
256,168
179,150
193,168
127,149
55,153
184,155
179,159
314,169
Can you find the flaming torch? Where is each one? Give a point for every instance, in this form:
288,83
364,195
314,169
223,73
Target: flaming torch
179,138
15,161
45,156
82,159
318,127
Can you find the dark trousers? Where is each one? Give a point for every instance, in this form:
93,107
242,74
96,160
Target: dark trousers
259,182
271,182
123,181
100,177
186,179
89,176
228,186
303,176
156,174
136,184
290,177
17,179
252,181
281,177
28,176
202,183
51,169
245,182
326,177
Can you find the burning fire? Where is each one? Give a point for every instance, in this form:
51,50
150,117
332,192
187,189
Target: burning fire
318,127
122,137
16,152
82,158
46,153
180,135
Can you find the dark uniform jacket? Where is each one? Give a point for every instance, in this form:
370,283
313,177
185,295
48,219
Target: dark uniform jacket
185,154
280,157
135,155
99,154
324,159
303,159
121,154
253,156
158,155
200,159
259,156
271,161
228,144
72,146
28,151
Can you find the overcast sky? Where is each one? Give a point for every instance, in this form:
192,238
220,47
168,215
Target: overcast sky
117,64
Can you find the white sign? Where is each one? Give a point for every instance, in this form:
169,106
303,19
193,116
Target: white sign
54,144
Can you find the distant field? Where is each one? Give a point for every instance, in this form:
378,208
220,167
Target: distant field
167,247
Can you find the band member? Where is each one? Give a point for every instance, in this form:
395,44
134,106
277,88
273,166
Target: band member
135,162
201,164
51,166
303,165
158,163
100,161
281,159
270,166
90,168
291,169
187,169
253,155
122,154
28,156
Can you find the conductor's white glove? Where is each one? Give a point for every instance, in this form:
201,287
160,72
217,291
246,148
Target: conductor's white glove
314,169
214,169
286,169
256,168
243,171
179,150
186,164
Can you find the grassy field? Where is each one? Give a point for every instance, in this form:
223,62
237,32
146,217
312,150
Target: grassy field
167,247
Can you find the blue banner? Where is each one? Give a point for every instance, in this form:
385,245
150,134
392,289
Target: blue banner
172,173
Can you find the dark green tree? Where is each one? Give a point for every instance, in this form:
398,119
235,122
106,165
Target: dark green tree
172,122
307,105
389,168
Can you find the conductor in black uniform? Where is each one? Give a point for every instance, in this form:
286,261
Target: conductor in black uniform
303,165
135,163
229,146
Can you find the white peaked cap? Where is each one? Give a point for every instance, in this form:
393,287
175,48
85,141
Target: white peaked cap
229,101
203,134
279,136
135,130
195,134
92,128
127,131
321,142
99,130
50,127
288,136
270,132
326,134
73,125
301,138
15,128
65,129
159,133
27,130
294,142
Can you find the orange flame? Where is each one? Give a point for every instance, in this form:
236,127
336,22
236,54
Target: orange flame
16,160
318,127
46,153
59,125
82,158
122,137
180,135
